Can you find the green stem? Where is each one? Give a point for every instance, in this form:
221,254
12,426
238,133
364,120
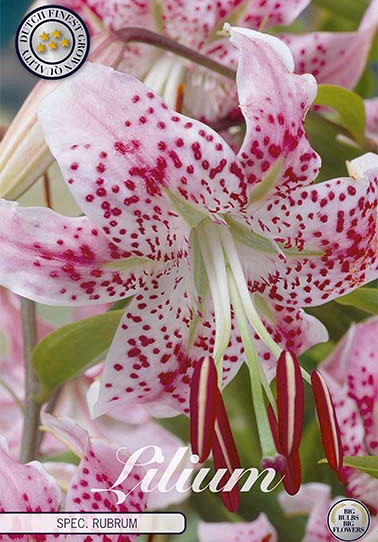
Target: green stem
32,410
142,35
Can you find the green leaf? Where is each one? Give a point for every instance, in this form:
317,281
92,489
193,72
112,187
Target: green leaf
349,106
365,299
70,350
334,153
364,463
64,457
350,9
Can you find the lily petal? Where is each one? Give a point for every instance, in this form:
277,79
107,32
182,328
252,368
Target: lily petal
131,157
354,365
337,58
272,13
68,262
334,223
259,530
98,469
29,487
275,118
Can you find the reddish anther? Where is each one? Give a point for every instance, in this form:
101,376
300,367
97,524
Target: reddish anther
329,426
203,402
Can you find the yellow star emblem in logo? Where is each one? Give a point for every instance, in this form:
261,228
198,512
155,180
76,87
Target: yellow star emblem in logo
44,36
41,48
56,33
52,45
64,43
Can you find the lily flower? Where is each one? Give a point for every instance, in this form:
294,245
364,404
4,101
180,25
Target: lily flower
259,530
351,374
220,251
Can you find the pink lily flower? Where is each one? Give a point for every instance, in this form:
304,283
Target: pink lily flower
351,372
337,58
259,530
176,218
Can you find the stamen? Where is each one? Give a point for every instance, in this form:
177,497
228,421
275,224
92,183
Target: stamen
226,454
180,97
249,308
290,402
263,427
290,465
213,258
203,403
175,77
329,426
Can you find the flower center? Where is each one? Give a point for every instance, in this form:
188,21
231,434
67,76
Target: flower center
217,262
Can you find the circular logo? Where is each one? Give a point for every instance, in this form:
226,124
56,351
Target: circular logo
52,42
348,520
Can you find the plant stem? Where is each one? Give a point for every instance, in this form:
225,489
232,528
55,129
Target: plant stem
50,407
142,35
32,410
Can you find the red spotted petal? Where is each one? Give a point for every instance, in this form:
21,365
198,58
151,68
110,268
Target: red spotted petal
337,58
129,155
26,488
150,359
225,455
203,405
99,468
290,403
272,13
59,260
329,425
274,112
334,223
